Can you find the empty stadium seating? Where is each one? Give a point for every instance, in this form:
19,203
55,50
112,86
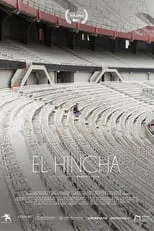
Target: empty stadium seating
111,123
94,168
35,53
124,18
10,50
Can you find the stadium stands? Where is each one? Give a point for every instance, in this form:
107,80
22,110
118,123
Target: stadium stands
35,53
123,19
112,125
50,66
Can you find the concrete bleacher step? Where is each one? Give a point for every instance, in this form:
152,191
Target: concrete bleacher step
50,130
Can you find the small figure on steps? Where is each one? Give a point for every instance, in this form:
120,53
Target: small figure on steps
76,111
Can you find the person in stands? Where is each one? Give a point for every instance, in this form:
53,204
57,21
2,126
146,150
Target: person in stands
76,110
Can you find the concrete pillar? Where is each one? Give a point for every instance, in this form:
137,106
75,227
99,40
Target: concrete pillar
24,31
148,74
49,35
3,15
121,43
152,48
71,40
33,32
134,47
114,45
92,43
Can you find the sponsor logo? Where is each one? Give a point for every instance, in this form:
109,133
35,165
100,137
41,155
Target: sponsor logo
6,218
137,218
79,17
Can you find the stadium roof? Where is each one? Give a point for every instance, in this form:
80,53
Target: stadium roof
133,20
120,15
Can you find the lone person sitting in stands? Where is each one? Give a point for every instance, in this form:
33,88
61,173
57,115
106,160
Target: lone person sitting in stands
76,110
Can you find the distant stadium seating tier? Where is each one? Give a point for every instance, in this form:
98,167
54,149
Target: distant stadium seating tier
36,53
131,20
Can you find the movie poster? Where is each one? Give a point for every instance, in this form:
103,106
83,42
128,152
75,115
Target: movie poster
76,138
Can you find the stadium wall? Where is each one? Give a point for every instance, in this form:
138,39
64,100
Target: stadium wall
78,76
5,78
132,76
32,79
82,76
151,76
